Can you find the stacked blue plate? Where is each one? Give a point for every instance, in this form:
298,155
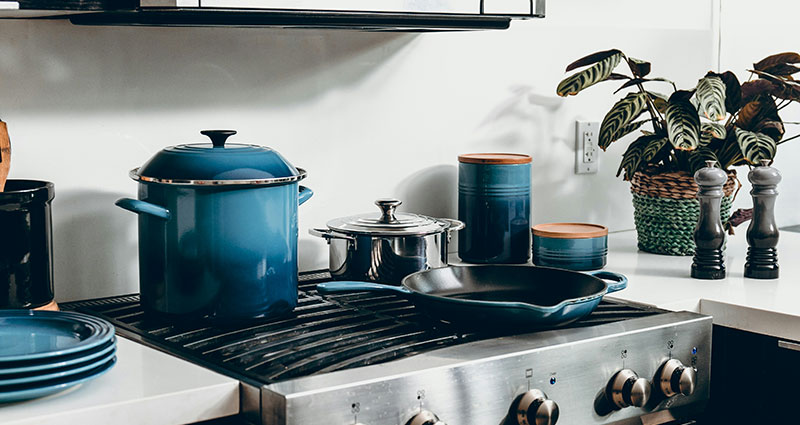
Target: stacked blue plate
44,352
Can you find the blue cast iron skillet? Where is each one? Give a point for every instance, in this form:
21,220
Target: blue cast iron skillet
499,295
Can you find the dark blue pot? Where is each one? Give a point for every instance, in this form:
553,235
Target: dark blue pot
222,248
26,254
494,202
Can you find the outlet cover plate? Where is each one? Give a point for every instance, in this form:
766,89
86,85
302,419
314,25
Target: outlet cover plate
586,149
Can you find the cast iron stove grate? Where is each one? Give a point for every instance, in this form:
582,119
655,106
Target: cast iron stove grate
323,334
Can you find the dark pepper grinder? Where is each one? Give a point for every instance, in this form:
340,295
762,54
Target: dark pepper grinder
709,236
762,234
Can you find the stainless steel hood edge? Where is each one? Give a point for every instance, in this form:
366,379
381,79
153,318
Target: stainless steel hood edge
371,15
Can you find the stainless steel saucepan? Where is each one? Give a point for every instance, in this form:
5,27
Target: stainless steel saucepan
387,246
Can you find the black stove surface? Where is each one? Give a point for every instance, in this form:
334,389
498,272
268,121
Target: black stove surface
323,334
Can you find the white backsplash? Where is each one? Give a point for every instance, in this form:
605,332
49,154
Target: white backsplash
368,115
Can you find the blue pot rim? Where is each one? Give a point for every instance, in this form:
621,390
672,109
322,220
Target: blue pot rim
276,181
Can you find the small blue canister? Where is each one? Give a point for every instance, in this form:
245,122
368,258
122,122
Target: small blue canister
494,202
573,246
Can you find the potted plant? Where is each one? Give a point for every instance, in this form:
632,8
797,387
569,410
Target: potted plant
720,119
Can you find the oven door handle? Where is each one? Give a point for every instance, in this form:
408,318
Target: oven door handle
789,345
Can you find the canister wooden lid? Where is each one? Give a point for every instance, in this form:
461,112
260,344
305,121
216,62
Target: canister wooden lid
495,158
52,306
569,230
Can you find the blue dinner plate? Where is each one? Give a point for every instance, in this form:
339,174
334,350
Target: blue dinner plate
40,389
13,368
29,378
37,335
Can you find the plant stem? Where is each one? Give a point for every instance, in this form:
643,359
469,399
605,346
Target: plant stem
651,108
786,140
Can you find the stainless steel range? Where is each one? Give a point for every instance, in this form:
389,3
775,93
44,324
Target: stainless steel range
374,360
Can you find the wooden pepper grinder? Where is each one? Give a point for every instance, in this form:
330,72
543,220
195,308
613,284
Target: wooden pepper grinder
762,234
709,236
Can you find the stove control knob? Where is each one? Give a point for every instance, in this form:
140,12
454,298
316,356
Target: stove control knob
534,408
674,378
425,418
626,388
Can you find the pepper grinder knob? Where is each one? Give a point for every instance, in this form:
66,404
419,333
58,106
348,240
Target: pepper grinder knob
709,235
762,234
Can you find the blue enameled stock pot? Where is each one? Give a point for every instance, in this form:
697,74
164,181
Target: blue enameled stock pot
218,230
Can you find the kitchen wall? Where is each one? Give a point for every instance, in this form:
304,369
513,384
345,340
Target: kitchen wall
367,114
749,34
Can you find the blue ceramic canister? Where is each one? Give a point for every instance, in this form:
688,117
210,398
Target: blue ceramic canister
573,246
218,230
494,202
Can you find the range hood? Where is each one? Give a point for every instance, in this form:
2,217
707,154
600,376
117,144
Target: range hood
391,15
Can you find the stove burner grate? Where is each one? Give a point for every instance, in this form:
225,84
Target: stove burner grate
323,334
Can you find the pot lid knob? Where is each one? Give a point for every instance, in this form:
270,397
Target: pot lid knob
387,206
218,137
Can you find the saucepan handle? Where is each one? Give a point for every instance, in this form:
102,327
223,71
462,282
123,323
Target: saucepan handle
346,286
328,234
618,281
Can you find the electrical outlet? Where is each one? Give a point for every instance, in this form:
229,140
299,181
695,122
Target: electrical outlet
586,149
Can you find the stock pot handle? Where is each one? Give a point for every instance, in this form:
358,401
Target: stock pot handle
304,194
618,281
142,207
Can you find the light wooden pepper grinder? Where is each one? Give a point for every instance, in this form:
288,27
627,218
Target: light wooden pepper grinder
709,236
762,234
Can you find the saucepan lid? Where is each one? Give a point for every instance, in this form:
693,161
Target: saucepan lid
218,163
389,222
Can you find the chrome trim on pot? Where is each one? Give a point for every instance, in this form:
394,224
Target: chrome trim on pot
134,174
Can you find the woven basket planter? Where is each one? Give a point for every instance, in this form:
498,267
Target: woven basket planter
666,210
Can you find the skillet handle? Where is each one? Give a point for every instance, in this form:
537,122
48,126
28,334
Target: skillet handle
618,281
346,286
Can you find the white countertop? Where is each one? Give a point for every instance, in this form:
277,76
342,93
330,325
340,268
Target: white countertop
149,387
770,307
145,387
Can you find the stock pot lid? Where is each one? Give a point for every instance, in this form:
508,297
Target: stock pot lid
388,222
218,163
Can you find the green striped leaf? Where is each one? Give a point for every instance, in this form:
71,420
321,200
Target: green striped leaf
711,98
619,117
699,157
591,59
652,149
636,81
683,124
639,68
710,131
633,157
630,128
730,154
596,73
755,146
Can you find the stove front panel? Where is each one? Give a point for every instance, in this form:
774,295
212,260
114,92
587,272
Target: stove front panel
477,383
